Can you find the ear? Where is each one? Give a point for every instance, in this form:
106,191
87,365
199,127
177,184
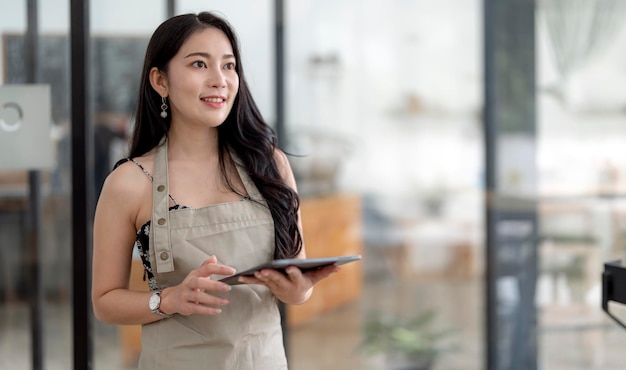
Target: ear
158,81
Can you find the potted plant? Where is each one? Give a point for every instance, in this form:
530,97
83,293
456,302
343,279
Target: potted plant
406,343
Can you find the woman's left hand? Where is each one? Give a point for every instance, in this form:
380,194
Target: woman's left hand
294,287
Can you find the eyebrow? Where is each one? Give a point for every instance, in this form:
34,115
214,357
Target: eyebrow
208,56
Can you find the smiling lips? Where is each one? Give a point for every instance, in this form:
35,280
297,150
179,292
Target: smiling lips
214,101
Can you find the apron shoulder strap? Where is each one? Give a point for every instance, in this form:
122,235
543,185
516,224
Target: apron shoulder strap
160,243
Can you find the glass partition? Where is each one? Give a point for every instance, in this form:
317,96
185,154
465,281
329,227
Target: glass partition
35,224
119,35
14,312
581,167
384,105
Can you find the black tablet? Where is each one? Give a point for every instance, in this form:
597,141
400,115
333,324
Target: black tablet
281,264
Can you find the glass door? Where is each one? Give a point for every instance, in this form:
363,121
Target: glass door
35,186
119,35
384,102
581,167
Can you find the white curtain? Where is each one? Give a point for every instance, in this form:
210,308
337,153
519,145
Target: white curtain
579,30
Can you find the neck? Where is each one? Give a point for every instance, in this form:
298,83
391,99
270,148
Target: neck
192,144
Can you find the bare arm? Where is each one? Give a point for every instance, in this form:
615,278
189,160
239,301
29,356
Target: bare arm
114,237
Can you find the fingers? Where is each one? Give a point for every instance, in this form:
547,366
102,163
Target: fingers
249,280
280,282
195,296
204,284
212,267
294,273
292,276
200,297
317,275
199,302
290,286
270,275
200,280
212,259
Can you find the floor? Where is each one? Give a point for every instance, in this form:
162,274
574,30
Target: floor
332,341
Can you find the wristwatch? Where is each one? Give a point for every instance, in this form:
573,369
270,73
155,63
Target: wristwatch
155,303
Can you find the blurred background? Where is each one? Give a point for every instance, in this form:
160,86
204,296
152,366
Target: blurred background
383,103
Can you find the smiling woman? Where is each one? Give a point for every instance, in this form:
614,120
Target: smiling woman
201,81
219,196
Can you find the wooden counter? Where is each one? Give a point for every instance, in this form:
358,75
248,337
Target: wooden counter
332,226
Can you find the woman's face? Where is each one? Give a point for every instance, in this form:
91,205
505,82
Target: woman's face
202,82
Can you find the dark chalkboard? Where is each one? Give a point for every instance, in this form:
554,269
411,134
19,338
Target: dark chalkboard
115,70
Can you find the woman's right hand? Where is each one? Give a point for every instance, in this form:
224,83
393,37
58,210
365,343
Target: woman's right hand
192,296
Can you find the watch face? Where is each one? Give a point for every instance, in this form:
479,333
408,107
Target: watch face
155,301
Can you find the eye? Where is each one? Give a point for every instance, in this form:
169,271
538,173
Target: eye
229,66
199,64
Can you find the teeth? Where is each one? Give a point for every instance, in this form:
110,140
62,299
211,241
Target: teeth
213,100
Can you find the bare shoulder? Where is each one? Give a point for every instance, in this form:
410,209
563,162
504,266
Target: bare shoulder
127,189
125,178
281,158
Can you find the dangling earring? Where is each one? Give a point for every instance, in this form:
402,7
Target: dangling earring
163,107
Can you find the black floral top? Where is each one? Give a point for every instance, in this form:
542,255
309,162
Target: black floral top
142,242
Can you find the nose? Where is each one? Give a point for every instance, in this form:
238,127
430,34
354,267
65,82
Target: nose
216,78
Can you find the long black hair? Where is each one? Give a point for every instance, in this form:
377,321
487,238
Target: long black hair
244,131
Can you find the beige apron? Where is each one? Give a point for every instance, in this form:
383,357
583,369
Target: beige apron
247,334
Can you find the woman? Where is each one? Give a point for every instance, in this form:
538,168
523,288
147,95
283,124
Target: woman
205,192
